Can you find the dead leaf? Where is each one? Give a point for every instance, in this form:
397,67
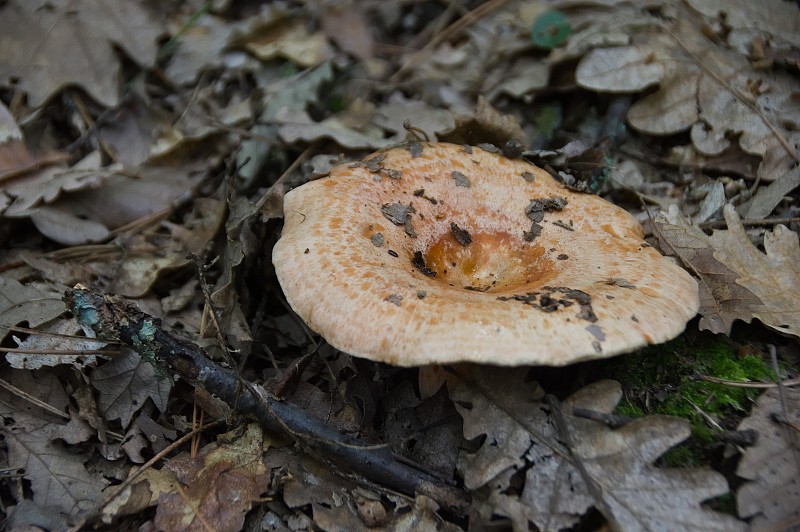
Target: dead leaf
391,116
772,465
722,300
47,185
125,383
201,45
289,39
53,344
50,44
33,304
485,125
339,504
703,87
779,19
153,255
38,445
349,29
293,94
298,126
218,487
774,276
523,441
767,198
15,159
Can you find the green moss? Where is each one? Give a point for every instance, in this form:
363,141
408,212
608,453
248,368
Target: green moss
663,380
681,456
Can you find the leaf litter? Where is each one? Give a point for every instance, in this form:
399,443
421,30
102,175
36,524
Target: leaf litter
611,470
118,164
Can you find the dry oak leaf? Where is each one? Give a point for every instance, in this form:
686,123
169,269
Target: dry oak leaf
50,44
38,444
772,465
616,473
774,276
217,488
703,87
125,383
722,300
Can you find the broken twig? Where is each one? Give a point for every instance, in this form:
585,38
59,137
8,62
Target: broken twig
112,319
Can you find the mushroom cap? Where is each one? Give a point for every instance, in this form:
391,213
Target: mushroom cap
429,253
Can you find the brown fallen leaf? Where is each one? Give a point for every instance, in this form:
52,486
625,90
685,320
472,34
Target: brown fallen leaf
772,465
722,300
530,475
774,276
38,444
737,281
125,383
15,159
34,303
218,487
50,44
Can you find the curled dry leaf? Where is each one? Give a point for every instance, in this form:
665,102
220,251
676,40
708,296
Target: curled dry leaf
772,465
615,472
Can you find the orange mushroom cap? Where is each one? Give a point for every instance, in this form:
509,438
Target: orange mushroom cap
434,253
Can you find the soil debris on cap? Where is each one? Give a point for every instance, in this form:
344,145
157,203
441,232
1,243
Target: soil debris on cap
547,300
462,236
395,299
377,239
420,193
461,179
512,149
622,283
491,148
415,149
419,262
529,177
397,213
535,231
564,226
537,207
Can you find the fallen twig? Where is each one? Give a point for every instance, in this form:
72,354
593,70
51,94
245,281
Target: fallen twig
112,319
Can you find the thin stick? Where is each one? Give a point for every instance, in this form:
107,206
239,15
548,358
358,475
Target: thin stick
16,328
767,222
71,352
760,385
33,400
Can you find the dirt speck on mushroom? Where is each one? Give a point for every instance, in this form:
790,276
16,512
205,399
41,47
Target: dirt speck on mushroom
461,179
461,235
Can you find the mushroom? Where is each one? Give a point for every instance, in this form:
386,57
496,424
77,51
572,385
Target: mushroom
434,253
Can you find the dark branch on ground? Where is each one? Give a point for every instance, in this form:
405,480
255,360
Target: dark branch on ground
115,320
